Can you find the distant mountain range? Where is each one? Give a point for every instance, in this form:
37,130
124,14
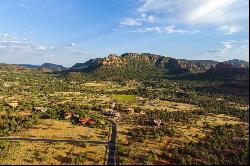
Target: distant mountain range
131,66
191,64
146,65
50,66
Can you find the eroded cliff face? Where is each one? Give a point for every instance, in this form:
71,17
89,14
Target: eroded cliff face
113,60
138,64
162,62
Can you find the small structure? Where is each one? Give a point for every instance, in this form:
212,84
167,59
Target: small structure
86,121
117,115
113,106
108,112
129,110
158,122
152,103
40,109
83,121
74,115
13,104
153,122
142,113
91,121
111,113
67,115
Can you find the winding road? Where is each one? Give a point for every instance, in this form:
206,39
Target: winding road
111,143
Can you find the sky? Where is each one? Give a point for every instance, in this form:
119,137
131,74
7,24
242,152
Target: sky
73,31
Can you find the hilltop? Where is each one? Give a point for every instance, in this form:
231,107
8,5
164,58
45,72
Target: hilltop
10,67
139,66
45,67
144,66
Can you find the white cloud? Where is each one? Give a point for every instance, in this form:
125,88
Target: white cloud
53,48
192,12
23,5
210,11
152,19
12,42
152,29
144,18
41,47
7,37
130,22
230,29
165,29
73,44
228,16
228,45
154,5
15,50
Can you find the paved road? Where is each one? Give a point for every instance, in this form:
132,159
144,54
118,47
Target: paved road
112,145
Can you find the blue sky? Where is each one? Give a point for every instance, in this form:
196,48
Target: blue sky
70,31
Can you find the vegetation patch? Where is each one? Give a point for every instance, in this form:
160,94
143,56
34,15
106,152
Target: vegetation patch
124,98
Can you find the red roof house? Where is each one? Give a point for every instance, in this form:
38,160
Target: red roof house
85,121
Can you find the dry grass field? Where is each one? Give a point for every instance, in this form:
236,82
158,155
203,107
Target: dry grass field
168,106
55,129
21,113
26,153
108,86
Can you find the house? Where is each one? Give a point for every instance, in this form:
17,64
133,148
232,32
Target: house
86,121
67,115
129,110
83,121
13,104
108,112
158,123
142,113
40,109
117,115
152,103
111,113
74,115
154,122
113,106
140,98
91,122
